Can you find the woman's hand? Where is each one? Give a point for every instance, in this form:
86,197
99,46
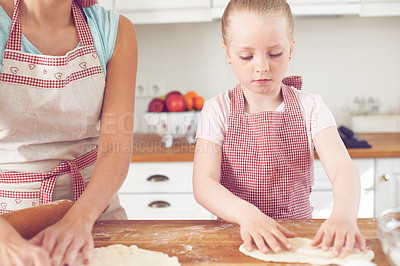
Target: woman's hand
263,231
339,231
66,239
15,250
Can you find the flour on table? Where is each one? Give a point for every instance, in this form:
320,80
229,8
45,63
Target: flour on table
302,252
122,255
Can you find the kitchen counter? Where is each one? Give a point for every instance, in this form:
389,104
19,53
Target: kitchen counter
149,148
208,242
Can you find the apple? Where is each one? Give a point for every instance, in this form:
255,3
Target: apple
172,93
157,105
175,102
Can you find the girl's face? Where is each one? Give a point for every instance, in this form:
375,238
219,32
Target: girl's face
259,49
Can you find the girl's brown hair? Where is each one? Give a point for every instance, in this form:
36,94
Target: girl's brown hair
258,7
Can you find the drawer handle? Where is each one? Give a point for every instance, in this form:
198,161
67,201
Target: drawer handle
386,177
159,204
157,178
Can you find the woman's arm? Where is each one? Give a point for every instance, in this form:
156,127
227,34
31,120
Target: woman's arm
341,227
72,234
254,225
15,250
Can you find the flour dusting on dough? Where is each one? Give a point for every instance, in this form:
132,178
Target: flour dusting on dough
122,255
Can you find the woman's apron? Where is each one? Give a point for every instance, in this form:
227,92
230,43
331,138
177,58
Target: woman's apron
266,157
50,109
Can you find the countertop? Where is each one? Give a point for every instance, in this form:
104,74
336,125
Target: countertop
209,242
149,148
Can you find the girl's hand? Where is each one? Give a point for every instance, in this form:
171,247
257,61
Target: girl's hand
264,232
15,250
66,239
339,232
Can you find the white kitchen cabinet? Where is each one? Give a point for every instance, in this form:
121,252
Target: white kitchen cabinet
165,11
161,190
306,7
322,196
387,184
380,8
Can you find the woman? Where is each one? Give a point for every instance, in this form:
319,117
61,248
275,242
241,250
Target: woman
66,66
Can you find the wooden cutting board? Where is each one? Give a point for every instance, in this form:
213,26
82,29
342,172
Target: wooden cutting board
208,242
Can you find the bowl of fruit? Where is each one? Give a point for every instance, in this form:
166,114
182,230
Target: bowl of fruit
174,115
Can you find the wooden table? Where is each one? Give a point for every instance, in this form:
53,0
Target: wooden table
209,242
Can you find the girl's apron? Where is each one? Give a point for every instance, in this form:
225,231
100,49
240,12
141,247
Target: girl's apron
266,157
50,109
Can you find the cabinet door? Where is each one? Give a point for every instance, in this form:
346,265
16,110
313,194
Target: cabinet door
380,8
166,11
219,3
163,207
321,197
127,5
387,184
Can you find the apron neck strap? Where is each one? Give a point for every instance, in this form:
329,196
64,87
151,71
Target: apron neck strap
82,28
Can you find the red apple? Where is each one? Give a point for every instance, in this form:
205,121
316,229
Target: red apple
172,93
157,105
175,103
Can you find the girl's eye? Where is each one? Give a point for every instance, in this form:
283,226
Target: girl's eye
246,57
276,55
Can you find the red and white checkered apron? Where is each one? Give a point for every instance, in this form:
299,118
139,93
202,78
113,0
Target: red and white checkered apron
266,157
50,109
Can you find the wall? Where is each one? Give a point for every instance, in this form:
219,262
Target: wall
339,57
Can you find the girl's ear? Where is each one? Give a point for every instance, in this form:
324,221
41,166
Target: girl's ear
292,47
226,52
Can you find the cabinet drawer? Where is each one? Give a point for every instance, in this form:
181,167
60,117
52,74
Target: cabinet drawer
365,169
322,201
175,177
163,207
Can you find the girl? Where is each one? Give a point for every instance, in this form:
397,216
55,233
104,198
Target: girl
68,72
253,161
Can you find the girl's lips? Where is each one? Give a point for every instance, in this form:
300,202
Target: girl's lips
262,81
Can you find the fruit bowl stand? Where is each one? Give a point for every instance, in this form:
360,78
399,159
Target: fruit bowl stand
170,125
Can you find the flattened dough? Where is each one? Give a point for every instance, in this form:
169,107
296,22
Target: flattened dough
302,252
122,255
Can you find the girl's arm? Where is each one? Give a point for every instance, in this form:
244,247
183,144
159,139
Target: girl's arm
72,234
340,229
254,225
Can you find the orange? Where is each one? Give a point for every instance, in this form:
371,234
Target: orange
198,103
191,94
189,102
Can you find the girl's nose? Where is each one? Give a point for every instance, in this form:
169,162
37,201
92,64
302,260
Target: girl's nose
262,66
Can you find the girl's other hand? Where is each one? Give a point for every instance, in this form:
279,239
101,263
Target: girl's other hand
339,232
66,239
264,232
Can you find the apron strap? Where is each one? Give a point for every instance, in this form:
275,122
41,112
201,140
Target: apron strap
78,185
85,36
49,179
295,81
14,41
86,3
46,190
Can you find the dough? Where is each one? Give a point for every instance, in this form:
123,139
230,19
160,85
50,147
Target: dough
128,256
302,252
